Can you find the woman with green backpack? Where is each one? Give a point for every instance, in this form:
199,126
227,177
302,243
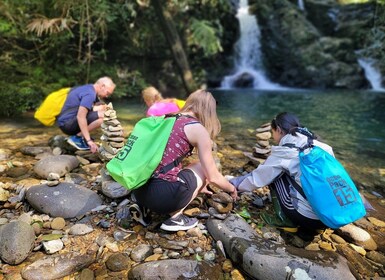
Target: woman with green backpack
170,192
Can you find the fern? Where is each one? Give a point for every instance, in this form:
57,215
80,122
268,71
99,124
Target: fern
204,35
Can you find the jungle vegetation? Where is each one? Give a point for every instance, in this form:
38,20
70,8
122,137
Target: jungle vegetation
46,45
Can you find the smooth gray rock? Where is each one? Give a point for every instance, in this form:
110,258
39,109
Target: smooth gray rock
61,164
64,200
34,151
56,267
113,189
16,242
140,252
264,259
175,270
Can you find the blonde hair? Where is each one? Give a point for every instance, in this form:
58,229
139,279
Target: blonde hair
151,95
204,106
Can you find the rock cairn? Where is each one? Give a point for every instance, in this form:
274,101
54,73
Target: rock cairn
112,142
262,148
112,138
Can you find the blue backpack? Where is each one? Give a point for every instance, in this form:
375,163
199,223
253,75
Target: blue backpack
328,187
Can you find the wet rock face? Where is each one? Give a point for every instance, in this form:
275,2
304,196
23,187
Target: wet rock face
295,55
64,200
245,80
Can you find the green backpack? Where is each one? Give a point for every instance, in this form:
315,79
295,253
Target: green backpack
134,165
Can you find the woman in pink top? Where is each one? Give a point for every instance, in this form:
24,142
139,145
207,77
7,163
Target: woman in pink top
170,192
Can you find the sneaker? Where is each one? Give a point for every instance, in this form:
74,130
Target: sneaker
181,222
77,142
140,214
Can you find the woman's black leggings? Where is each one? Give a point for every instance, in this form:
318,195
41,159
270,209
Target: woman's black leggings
282,186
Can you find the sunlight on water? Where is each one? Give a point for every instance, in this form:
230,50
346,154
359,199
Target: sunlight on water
351,122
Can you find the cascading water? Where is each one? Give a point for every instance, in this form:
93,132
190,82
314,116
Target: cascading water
371,74
248,70
301,5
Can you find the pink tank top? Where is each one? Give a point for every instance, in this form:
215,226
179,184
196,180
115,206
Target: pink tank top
178,145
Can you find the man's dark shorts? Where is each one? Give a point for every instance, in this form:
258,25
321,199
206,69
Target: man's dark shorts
166,197
71,127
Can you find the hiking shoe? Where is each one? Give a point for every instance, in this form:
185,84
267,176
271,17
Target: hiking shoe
77,142
140,214
181,222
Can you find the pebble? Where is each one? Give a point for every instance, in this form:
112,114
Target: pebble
117,262
52,246
58,223
80,229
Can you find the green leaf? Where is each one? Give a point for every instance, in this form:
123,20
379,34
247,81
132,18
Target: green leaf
244,213
49,237
198,258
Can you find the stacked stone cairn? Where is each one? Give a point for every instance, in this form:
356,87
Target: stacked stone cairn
262,148
112,142
112,138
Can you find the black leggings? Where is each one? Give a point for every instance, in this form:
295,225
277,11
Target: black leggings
282,186
165,197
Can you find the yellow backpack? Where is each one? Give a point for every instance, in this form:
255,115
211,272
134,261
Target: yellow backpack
51,107
180,103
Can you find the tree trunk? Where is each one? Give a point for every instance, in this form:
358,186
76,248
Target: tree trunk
175,44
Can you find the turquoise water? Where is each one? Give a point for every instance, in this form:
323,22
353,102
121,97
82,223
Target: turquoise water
352,122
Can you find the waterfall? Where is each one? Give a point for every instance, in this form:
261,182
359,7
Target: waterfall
248,70
301,5
371,73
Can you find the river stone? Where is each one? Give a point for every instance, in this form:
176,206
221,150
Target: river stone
140,252
66,200
61,164
264,259
16,242
34,151
175,269
117,262
113,189
5,154
357,236
57,266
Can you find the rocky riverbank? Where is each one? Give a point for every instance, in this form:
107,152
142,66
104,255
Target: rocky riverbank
62,217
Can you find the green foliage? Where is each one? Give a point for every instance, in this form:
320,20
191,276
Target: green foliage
45,46
18,99
204,35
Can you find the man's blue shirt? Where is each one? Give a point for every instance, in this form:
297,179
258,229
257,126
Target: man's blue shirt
79,96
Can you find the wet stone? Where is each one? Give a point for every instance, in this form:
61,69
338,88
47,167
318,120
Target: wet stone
117,262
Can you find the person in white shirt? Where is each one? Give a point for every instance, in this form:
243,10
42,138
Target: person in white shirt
281,170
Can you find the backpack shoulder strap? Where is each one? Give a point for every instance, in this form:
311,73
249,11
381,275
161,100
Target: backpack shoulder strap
308,145
176,162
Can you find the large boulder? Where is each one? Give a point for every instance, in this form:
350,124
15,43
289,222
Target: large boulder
175,269
64,200
264,259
